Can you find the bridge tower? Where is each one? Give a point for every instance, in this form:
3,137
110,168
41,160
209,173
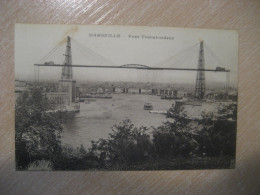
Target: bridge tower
200,80
66,83
67,69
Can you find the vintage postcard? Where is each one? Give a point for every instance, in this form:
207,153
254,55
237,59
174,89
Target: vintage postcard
124,97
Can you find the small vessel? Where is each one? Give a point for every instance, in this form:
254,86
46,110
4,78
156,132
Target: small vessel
104,96
91,100
193,103
148,106
158,112
170,97
87,102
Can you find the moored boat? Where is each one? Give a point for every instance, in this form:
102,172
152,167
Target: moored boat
148,106
170,97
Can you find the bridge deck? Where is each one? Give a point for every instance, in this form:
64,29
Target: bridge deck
134,67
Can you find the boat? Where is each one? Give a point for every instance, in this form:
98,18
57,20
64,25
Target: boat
87,102
158,112
193,103
91,100
99,96
170,97
148,106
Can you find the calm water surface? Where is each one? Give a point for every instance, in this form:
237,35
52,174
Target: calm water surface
96,119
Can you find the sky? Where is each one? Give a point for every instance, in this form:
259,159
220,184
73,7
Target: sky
33,42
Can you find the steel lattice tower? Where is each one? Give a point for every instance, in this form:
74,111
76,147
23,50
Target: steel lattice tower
67,84
67,70
200,80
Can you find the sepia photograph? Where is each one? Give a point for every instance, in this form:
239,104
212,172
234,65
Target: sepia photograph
93,97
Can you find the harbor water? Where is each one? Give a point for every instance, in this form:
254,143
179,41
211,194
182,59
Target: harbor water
95,119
